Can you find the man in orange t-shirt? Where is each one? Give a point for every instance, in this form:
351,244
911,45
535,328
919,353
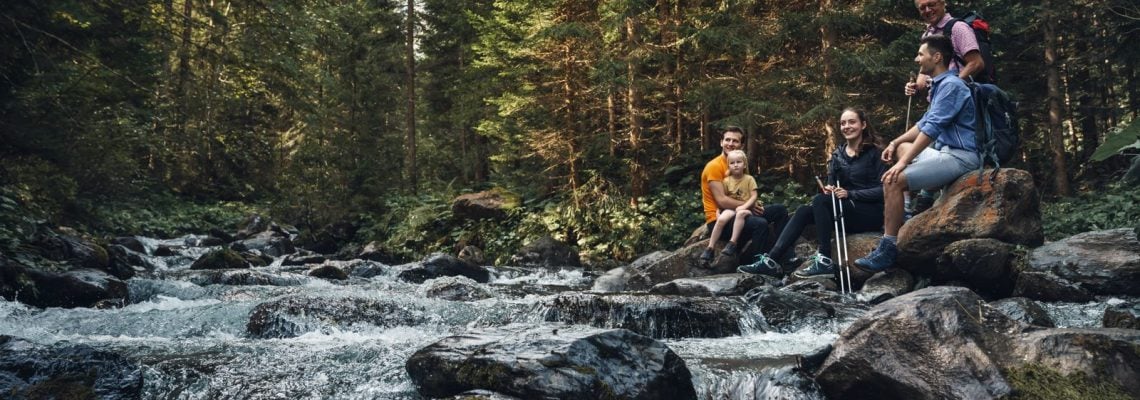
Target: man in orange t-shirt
714,199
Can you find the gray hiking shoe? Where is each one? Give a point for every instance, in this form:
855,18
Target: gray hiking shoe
763,265
820,265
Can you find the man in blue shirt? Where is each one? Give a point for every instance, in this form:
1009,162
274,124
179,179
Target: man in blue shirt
949,124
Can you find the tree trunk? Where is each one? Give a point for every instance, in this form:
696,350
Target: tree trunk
827,37
637,178
410,88
1055,133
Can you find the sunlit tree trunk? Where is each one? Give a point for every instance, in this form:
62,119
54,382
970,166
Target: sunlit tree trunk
637,177
1055,131
410,92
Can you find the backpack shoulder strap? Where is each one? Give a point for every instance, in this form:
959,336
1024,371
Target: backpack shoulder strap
947,30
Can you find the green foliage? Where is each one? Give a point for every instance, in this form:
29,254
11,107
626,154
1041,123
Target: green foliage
160,215
1123,138
1118,206
1039,382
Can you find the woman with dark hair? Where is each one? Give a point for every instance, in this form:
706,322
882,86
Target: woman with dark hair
853,174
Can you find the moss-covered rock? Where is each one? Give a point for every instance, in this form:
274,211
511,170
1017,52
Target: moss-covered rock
1040,383
221,259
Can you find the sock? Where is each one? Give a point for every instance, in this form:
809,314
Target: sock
892,239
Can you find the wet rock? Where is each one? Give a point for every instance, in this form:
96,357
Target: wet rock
711,286
296,315
269,243
76,251
661,267
886,285
209,241
480,394
1024,310
1097,263
787,311
327,239
375,251
472,255
613,281
221,234
125,262
440,265
1045,286
167,250
77,288
923,345
252,225
132,243
651,315
303,257
455,288
31,371
547,253
1098,361
1124,315
221,259
491,204
824,289
238,277
985,265
1007,209
328,271
551,362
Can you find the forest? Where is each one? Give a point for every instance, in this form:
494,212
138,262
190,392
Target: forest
595,116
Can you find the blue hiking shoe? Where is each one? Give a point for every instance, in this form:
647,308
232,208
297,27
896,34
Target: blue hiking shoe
881,258
820,265
763,265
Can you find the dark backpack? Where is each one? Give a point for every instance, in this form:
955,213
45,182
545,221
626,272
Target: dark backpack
981,30
996,131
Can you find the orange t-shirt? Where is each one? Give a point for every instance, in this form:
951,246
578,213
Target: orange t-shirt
715,171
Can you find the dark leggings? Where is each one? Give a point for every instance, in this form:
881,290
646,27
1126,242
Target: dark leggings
857,217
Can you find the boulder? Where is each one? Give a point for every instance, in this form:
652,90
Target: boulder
125,263
65,371
74,250
252,225
611,281
1024,310
945,342
221,259
491,204
293,316
712,285
268,243
661,267
651,315
455,288
375,251
303,257
439,265
130,242
546,252
1007,209
328,271
1092,263
472,255
886,285
927,344
985,265
551,362
77,288
238,277
789,311
1122,315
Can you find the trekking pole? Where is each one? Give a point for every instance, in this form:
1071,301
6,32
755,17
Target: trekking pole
838,250
843,228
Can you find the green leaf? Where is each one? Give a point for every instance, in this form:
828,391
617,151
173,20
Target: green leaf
1127,137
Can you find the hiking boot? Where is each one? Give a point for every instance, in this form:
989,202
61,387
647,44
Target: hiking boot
763,265
706,256
881,258
820,265
729,249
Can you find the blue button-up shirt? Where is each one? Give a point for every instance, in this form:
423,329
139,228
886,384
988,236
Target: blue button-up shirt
951,118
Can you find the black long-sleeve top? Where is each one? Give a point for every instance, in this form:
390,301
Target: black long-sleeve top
860,175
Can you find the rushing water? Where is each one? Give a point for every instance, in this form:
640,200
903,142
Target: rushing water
193,342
